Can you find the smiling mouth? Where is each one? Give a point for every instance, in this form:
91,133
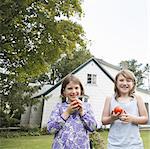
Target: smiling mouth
73,97
124,86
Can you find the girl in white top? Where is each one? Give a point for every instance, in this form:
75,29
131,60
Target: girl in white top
124,131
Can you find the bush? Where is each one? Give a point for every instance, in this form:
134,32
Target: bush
96,140
23,131
7,120
44,131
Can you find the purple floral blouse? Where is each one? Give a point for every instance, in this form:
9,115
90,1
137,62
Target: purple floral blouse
74,132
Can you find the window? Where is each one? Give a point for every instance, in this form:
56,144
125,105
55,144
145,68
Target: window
91,78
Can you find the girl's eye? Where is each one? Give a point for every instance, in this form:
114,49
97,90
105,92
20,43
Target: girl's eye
121,80
76,88
129,80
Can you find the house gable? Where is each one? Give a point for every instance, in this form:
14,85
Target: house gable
75,71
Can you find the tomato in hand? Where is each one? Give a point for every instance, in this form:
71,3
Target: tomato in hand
118,109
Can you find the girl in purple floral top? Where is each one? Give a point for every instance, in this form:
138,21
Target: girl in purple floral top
71,120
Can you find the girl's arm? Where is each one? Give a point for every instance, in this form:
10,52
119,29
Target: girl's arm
88,119
56,121
107,116
143,115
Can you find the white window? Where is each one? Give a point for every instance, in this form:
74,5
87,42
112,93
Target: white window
91,78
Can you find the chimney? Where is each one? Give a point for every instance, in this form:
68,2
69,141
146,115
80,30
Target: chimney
124,65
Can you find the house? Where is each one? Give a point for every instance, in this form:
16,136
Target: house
97,77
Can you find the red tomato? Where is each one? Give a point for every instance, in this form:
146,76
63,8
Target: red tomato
118,109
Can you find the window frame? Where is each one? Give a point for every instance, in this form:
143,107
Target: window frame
91,79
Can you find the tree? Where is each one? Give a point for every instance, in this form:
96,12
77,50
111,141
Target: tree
14,98
137,68
64,66
68,63
34,34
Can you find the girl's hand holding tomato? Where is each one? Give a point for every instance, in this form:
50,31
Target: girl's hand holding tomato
73,106
117,112
114,116
118,109
128,118
80,105
124,118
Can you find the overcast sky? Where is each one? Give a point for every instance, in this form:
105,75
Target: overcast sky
118,29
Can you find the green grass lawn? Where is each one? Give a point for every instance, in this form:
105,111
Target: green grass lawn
44,142
27,142
145,134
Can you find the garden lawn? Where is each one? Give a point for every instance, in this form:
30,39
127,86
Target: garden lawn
45,141
27,142
145,134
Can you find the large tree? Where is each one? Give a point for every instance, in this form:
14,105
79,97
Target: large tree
33,35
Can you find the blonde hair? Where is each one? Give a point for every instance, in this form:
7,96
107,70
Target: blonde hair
129,75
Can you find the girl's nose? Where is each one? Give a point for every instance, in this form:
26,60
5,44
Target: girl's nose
73,90
125,82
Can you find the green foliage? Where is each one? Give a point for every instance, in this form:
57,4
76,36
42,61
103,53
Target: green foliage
8,121
96,140
14,98
34,34
23,131
68,63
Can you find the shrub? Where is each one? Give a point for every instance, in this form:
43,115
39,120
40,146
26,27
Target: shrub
23,131
96,140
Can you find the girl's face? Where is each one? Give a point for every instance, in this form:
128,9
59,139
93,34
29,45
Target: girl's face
124,85
72,90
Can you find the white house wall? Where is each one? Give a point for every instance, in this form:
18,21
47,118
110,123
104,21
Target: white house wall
49,105
97,93
25,117
32,116
35,116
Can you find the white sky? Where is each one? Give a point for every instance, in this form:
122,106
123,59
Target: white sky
118,29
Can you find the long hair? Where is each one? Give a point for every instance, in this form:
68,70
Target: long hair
129,75
66,81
